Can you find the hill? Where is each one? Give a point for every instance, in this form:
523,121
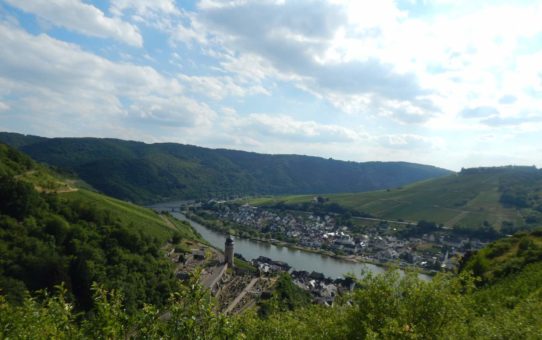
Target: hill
146,173
505,198
387,306
53,232
510,285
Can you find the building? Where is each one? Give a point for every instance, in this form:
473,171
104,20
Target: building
228,251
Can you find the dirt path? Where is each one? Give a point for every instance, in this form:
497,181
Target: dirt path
68,189
451,222
168,222
29,172
215,274
241,295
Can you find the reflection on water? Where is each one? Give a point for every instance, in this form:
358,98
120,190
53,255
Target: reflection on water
297,259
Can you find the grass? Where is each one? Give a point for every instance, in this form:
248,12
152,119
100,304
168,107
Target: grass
184,229
465,200
244,265
45,179
140,218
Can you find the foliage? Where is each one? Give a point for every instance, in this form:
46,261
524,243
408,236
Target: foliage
110,282
422,227
141,172
78,238
286,297
77,243
188,314
505,256
387,306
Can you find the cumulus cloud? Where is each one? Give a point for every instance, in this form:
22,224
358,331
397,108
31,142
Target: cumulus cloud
219,87
53,78
408,141
508,99
82,18
499,121
349,79
293,38
282,126
479,112
4,106
143,8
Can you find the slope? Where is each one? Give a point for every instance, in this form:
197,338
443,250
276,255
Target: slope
52,231
387,306
142,172
505,198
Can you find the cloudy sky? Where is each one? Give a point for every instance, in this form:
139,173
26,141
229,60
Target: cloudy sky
448,83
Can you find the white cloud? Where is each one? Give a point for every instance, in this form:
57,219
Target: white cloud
275,43
283,126
143,8
409,141
366,58
219,87
82,18
525,119
358,80
58,81
479,112
4,106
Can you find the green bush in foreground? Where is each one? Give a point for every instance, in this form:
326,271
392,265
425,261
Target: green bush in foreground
387,306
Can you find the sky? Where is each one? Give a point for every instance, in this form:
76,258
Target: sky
449,83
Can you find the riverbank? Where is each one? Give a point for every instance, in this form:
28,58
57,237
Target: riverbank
360,260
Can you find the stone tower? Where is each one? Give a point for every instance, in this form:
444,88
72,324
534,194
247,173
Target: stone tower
228,251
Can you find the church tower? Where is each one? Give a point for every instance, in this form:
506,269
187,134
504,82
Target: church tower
228,251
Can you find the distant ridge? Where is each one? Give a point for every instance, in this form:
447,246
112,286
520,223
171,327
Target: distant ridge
147,173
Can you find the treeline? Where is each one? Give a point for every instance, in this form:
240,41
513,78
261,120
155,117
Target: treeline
524,191
145,173
46,240
484,232
320,207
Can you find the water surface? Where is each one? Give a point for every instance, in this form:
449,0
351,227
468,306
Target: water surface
297,259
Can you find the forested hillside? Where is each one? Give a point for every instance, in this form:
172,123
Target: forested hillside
99,262
146,173
387,306
52,232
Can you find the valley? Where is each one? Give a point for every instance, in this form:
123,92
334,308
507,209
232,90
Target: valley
153,272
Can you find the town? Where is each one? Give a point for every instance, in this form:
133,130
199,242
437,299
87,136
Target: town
377,241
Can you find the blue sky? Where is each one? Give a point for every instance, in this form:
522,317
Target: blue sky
448,83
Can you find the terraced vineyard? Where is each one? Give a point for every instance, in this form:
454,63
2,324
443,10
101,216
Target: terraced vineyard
468,199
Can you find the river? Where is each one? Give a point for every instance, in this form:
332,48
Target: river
297,259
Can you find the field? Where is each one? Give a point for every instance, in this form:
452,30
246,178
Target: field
458,199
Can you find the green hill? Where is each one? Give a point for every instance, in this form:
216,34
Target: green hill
52,231
385,306
507,256
141,172
506,198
